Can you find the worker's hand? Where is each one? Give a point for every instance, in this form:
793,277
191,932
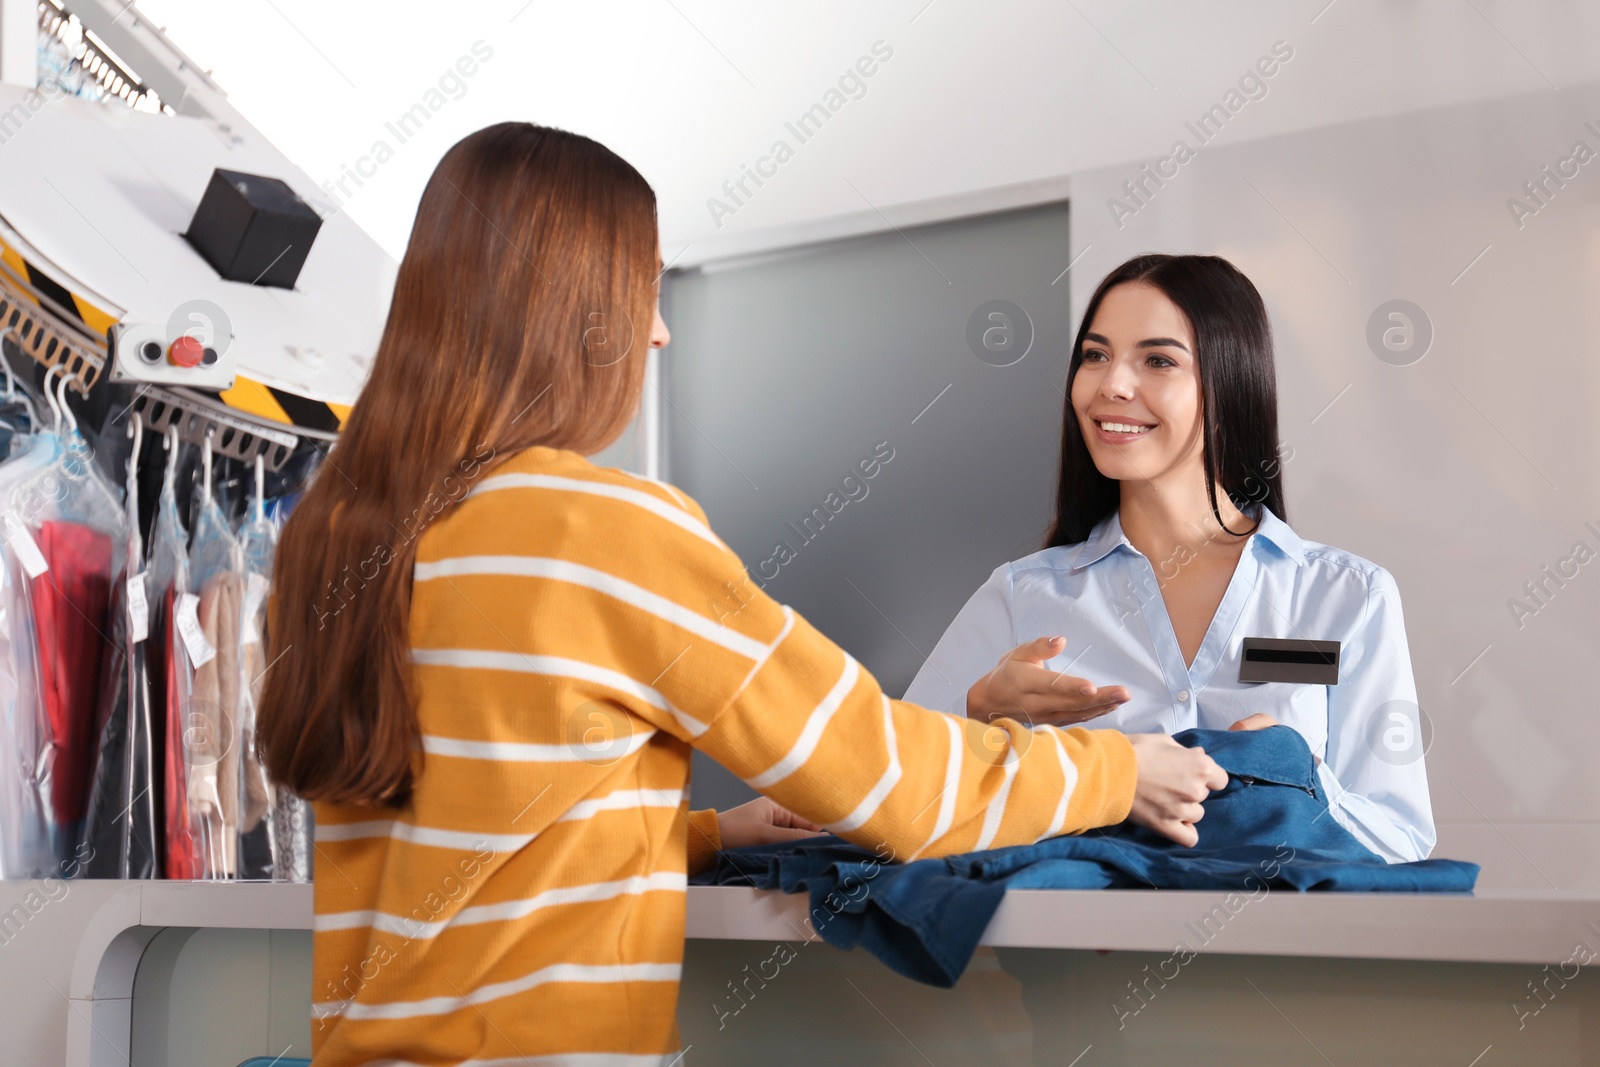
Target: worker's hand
1022,688
762,822
1259,721
1173,780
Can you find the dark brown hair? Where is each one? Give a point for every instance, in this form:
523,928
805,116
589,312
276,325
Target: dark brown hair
530,267
1238,389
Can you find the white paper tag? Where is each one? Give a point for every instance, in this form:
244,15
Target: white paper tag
194,638
255,591
26,548
138,609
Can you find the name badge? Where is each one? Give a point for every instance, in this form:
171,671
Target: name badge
1279,659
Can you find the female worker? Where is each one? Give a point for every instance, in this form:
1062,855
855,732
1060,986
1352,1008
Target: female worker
1170,548
491,659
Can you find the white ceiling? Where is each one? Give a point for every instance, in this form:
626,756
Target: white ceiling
975,96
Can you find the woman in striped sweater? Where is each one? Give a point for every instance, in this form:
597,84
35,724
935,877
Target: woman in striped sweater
492,658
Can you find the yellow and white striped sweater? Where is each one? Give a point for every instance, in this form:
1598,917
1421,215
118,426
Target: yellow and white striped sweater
575,631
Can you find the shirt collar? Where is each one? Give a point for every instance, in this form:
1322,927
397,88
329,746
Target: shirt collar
1107,535
1278,532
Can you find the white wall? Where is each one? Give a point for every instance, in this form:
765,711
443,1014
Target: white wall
1464,473
976,95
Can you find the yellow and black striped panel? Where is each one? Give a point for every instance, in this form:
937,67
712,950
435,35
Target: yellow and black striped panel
46,335
247,396
271,404
68,303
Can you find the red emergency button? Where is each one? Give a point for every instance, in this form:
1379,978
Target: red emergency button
186,351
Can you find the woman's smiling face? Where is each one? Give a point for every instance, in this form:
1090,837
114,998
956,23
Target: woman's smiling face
1137,390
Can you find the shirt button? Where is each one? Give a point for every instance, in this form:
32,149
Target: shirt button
1183,694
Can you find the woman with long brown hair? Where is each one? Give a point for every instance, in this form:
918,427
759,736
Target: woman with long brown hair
1171,555
491,659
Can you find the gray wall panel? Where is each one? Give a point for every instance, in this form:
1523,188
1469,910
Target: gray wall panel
785,372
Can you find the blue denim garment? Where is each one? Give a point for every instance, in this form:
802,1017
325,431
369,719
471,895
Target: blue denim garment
1269,827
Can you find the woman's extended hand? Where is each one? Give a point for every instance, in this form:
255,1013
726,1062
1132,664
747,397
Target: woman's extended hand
762,822
1173,780
1020,687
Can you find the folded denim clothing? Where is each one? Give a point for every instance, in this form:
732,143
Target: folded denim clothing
1269,827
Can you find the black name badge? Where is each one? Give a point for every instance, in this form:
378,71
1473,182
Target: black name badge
1278,659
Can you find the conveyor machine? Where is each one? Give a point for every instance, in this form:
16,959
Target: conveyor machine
97,276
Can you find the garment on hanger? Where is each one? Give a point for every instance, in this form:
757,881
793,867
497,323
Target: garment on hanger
263,852
70,600
129,755
171,674
26,847
291,823
182,857
293,828
211,742
123,819
211,750
65,527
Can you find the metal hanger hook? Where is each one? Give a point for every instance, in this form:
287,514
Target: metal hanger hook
66,412
206,460
50,396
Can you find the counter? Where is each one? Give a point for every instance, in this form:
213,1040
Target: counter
1488,927
1498,968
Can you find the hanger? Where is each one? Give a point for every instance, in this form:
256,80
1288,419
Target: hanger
136,543
261,488
61,399
135,431
16,397
50,397
171,472
206,463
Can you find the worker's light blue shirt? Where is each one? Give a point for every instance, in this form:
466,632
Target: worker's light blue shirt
1104,597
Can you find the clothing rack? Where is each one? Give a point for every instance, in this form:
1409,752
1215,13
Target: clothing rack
141,492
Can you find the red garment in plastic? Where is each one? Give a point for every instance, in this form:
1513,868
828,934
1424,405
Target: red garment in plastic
182,860
70,601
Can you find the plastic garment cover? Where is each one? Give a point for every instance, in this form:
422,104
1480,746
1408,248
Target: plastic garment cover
212,745
273,842
70,602
121,831
171,674
290,816
69,536
292,831
26,850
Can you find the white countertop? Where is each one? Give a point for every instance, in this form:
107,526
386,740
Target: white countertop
1489,927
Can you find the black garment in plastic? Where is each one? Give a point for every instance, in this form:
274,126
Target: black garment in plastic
121,831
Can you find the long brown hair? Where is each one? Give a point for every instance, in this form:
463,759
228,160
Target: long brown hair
530,268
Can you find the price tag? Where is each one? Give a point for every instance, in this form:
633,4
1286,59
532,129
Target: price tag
138,609
26,548
255,591
194,638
